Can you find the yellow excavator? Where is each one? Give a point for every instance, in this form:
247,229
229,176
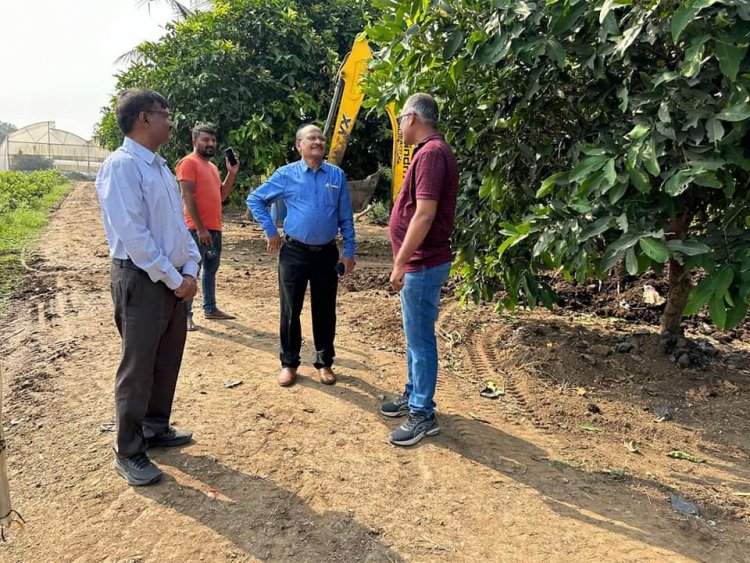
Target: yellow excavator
347,101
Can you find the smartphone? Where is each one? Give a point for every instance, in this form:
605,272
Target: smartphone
229,151
340,269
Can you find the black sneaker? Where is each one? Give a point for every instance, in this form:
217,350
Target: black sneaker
416,427
170,438
137,470
397,407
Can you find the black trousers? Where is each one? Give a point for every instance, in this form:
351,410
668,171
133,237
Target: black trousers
297,267
152,323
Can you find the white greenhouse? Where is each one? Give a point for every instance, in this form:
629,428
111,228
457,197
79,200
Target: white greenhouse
41,145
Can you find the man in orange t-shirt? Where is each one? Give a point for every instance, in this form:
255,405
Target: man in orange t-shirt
203,193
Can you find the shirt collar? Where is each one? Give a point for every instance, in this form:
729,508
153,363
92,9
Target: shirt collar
436,135
305,167
139,150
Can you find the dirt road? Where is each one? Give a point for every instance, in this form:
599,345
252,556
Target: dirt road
306,473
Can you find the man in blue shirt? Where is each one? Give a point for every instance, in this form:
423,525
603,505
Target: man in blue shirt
318,208
154,264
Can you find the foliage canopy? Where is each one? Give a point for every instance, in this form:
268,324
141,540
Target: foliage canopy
594,137
255,68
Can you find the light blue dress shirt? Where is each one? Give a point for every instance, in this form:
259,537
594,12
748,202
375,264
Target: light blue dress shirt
142,213
317,201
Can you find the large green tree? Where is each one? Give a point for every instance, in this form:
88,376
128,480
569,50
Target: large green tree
6,129
256,68
595,137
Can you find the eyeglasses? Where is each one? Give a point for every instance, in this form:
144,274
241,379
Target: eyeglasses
314,138
167,114
401,117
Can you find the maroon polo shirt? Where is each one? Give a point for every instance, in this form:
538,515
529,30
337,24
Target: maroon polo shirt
432,174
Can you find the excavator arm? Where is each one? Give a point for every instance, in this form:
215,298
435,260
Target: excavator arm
347,101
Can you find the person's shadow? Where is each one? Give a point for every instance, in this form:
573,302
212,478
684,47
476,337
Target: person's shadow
605,506
267,521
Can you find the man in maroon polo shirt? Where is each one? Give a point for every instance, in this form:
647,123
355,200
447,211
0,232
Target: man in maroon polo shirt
421,226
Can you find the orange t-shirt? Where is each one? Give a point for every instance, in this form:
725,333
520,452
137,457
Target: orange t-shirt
205,175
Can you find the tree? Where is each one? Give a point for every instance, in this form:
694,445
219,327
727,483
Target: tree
255,68
6,129
595,137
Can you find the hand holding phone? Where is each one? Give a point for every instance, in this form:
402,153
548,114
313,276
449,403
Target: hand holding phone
340,268
229,152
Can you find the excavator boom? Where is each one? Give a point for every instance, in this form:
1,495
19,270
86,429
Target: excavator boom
347,101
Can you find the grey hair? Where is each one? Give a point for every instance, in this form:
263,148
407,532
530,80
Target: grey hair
424,107
298,134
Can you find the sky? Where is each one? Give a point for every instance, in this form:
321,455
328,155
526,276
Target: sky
58,57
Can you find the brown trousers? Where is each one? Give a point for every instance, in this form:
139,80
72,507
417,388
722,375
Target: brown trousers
152,322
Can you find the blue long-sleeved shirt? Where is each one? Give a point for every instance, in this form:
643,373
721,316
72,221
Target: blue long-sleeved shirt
142,214
318,204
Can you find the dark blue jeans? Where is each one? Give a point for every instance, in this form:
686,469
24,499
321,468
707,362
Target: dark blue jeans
210,260
420,301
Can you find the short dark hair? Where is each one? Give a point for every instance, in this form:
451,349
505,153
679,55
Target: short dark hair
209,128
132,102
425,108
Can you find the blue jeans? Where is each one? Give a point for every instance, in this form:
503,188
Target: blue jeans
210,260
420,300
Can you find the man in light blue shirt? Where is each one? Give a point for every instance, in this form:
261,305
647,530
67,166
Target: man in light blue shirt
318,209
154,264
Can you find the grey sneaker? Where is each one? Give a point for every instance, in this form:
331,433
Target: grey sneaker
170,438
137,470
191,326
416,427
397,407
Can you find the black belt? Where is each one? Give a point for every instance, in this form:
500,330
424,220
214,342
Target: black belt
128,263
310,247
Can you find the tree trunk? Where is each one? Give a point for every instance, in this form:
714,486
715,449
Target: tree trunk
679,279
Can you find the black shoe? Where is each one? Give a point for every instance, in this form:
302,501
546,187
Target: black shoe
397,407
170,438
137,470
416,427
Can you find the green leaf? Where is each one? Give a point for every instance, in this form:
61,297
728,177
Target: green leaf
715,130
654,249
568,18
729,55
722,281
697,298
718,312
640,180
679,182
638,132
650,159
586,166
684,15
630,35
693,57
617,192
548,183
737,112
452,45
610,174
736,315
494,50
556,52
596,228
631,262
688,247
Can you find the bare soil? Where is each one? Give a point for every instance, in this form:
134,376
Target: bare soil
569,463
